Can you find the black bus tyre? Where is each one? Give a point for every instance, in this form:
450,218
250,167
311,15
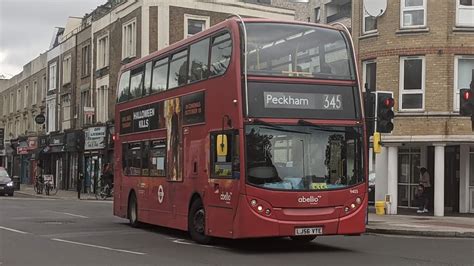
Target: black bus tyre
197,223
133,211
302,239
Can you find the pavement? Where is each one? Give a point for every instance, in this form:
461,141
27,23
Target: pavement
414,225
62,194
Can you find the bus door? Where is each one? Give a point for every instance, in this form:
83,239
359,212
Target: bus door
224,175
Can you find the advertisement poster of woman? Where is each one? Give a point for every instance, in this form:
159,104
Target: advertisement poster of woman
173,117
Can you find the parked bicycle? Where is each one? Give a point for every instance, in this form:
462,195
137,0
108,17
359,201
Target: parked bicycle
49,188
104,192
39,185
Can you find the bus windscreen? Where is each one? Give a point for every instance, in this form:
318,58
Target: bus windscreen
290,50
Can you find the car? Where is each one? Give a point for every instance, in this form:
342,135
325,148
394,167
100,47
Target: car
6,183
371,188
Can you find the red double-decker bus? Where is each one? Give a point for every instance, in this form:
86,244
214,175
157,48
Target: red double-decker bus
253,128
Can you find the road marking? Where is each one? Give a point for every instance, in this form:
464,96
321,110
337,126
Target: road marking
13,230
72,214
96,246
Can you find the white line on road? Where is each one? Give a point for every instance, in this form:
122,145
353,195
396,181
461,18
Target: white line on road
72,214
13,230
95,246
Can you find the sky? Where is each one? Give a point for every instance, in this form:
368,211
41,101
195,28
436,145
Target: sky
27,27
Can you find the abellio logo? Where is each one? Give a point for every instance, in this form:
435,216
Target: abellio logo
310,199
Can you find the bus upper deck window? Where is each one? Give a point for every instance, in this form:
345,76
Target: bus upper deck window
124,87
220,54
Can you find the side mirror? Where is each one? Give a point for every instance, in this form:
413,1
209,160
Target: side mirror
221,145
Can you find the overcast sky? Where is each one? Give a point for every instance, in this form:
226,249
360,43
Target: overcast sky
27,26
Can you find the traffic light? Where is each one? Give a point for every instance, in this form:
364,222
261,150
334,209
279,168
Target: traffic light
384,108
466,102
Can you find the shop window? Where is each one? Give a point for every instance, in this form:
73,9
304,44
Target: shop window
225,155
157,158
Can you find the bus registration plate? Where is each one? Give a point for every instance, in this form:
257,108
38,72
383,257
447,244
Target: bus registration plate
308,231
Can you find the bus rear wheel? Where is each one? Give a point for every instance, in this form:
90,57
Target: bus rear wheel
302,239
133,211
197,223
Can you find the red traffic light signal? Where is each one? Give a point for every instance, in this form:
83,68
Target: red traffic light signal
384,112
466,102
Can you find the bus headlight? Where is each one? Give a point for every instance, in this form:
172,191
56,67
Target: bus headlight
358,200
260,208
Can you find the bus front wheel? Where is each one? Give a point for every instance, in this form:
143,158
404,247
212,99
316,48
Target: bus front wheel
133,211
197,223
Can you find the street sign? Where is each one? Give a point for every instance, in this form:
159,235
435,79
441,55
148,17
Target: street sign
40,119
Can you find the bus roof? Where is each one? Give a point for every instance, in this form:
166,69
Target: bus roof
215,28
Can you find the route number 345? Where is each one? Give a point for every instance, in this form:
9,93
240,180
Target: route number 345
332,101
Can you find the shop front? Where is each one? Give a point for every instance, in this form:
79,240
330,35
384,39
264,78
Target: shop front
94,155
450,167
57,156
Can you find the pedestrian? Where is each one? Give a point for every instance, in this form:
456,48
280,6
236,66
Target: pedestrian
80,179
425,182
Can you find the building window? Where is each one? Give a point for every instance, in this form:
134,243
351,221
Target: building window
409,160
413,14
35,92
85,66
369,75
465,13
412,83
19,96
51,114
43,88
103,51
86,115
317,15
12,100
463,75
25,97
102,104
194,24
67,69
52,76
66,106
129,39
369,24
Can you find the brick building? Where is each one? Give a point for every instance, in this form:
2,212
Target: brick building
422,51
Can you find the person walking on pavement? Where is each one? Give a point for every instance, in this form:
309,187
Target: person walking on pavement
425,182
80,179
